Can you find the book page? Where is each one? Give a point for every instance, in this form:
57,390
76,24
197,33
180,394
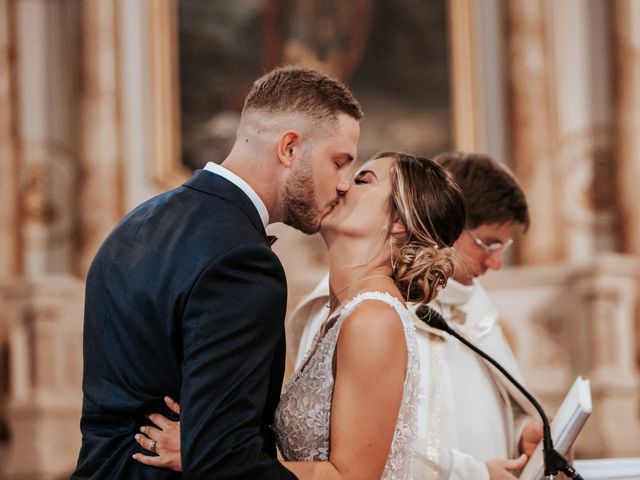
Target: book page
569,420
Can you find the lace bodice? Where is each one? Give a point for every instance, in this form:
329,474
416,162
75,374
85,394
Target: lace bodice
303,417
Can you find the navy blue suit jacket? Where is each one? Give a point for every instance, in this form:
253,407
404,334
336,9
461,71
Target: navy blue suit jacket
185,298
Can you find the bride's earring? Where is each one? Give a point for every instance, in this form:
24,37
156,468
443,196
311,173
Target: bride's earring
397,229
393,258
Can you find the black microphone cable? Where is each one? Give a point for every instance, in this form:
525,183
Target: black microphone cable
553,461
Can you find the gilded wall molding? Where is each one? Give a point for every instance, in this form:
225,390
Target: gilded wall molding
10,253
164,97
466,95
626,33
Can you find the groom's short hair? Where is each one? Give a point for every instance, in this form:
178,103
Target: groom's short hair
302,90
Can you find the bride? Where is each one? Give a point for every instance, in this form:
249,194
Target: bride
349,411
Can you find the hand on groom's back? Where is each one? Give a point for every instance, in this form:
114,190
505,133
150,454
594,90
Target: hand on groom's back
162,439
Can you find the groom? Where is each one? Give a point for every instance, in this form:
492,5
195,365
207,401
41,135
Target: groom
185,297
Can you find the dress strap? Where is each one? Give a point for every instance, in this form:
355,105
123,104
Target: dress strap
373,295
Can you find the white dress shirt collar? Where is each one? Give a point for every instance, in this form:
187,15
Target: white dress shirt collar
456,293
476,315
242,185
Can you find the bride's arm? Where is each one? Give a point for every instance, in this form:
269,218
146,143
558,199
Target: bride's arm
371,361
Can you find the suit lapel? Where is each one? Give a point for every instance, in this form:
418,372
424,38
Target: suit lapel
212,184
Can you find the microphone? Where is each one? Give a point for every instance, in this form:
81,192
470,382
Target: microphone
553,461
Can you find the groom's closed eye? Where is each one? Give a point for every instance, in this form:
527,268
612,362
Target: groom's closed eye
343,160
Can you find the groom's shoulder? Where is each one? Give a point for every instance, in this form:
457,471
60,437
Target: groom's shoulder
185,205
182,220
156,204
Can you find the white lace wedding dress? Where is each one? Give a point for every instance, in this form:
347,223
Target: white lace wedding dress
303,417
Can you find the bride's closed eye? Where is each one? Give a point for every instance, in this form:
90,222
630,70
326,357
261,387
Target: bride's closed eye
362,178
365,176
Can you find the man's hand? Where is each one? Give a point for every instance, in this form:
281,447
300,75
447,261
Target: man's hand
499,469
531,436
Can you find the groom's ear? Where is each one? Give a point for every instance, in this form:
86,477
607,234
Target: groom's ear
287,145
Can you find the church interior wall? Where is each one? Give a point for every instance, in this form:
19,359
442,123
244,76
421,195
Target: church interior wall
87,132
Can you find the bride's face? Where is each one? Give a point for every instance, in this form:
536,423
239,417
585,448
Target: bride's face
364,210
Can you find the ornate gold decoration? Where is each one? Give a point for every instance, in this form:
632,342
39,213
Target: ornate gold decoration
466,101
165,145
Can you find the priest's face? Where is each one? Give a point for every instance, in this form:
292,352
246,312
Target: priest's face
482,248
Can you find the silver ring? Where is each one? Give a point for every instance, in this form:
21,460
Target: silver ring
152,448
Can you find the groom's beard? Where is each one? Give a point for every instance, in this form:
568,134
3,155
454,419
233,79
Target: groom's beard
300,210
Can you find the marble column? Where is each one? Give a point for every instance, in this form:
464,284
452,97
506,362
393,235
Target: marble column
101,187
45,375
532,140
9,206
40,300
627,67
46,34
627,128
476,65
607,291
466,88
9,237
582,97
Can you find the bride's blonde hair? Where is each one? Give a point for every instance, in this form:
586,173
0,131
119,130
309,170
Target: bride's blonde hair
431,207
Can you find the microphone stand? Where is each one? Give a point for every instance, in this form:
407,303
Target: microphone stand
553,461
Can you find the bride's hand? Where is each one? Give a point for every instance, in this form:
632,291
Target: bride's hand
163,439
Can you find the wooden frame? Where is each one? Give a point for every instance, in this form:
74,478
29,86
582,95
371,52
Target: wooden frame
466,88
10,215
165,146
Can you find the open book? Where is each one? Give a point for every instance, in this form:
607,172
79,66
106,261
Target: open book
569,420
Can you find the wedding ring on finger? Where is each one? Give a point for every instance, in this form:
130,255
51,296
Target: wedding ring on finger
152,447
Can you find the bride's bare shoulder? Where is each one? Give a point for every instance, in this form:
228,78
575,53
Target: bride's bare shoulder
372,330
